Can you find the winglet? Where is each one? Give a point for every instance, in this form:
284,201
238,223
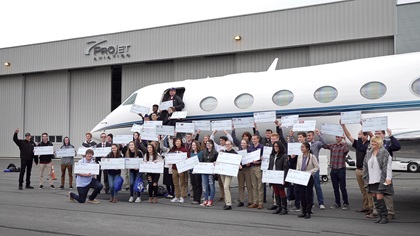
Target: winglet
273,65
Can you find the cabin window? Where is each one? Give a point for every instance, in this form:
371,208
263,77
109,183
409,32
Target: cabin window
415,86
131,100
326,94
208,103
283,98
244,100
373,90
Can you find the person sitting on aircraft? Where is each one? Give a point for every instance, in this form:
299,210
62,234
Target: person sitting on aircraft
167,119
178,104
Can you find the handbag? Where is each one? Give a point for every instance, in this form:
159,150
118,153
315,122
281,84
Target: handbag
118,183
138,185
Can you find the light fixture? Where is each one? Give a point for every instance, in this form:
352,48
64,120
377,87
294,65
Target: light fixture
7,63
237,38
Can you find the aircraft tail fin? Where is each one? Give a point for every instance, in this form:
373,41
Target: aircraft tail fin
273,65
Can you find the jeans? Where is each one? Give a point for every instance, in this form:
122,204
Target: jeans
197,186
133,177
153,179
111,180
317,185
338,179
208,186
83,191
25,164
297,191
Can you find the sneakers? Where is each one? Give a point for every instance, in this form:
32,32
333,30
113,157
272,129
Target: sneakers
175,199
71,187
41,186
335,206
138,199
322,207
131,199
61,187
240,204
94,201
52,186
169,196
204,203
20,187
181,200
227,208
29,187
70,198
209,203
195,203
294,209
345,207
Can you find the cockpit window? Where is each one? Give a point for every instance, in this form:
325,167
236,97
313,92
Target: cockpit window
131,100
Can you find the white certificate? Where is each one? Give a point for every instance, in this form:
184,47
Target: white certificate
247,122
294,149
149,134
151,167
179,115
165,130
267,116
242,152
151,124
203,168
267,152
184,127
188,164
139,109
332,129
298,177
265,162
221,125
375,123
112,163
166,105
86,168
202,125
252,156
136,128
273,176
44,150
65,152
122,139
82,150
351,117
174,157
287,121
226,169
229,158
101,152
304,125
133,163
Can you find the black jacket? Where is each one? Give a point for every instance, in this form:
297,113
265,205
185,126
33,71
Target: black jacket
280,164
45,159
26,149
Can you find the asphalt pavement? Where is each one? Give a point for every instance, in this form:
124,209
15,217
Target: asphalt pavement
49,212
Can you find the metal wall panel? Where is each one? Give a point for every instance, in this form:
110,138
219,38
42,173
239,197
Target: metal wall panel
137,76
408,28
46,99
203,67
11,105
329,53
326,23
261,60
90,101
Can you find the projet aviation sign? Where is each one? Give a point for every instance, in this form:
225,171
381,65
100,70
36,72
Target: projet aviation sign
102,51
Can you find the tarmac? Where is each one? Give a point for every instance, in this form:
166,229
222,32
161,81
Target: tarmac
49,212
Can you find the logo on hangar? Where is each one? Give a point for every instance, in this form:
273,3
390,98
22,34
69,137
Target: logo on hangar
103,51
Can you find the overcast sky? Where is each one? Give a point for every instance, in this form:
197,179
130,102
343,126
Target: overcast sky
29,21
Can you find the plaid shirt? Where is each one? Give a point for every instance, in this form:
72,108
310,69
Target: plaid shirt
338,154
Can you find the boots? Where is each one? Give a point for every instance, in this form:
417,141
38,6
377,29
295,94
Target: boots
382,212
278,209
283,206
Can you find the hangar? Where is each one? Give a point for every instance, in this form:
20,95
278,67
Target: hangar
66,87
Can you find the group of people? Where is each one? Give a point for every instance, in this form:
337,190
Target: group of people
373,172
